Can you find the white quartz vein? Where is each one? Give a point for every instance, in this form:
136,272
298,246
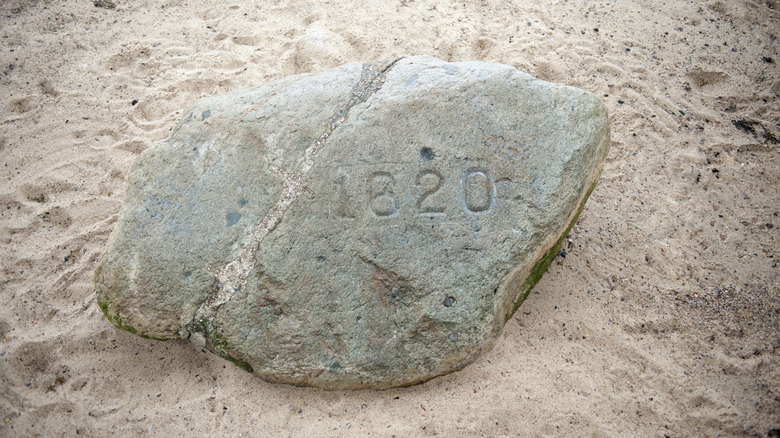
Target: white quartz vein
233,277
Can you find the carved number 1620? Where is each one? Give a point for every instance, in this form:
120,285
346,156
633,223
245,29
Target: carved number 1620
477,192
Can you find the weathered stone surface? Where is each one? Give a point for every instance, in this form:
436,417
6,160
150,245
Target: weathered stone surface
371,226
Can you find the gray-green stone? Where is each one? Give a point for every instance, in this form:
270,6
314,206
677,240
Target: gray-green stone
371,226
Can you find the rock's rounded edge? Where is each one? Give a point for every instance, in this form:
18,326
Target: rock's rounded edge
216,343
519,283
540,267
113,314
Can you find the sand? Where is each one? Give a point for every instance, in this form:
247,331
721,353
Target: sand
662,320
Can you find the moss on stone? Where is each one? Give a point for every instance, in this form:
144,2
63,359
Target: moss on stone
105,305
220,346
541,266
240,363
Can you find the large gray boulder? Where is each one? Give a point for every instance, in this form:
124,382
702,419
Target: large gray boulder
371,226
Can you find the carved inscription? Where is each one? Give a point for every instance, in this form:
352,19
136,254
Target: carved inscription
432,195
432,180
381,199
345,209
478,190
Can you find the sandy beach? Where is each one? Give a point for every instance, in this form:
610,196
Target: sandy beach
662,319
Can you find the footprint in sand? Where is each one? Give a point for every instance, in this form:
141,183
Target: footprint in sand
32,360
128,58
22,105
319,49
703,78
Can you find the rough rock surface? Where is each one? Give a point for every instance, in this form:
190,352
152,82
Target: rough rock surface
371,226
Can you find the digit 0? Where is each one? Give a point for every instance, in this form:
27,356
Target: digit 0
478,190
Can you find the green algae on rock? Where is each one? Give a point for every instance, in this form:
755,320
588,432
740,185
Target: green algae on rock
371,226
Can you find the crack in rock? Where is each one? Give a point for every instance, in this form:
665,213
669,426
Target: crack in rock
232,278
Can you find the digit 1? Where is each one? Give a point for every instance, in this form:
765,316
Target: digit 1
343,211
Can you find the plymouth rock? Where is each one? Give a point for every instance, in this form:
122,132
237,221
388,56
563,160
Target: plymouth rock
371,226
